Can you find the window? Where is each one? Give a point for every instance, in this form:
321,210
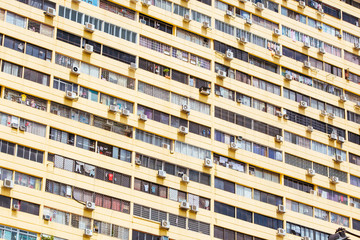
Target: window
65,61
117,9
118,79
224,185
80,222
299,207
5,232
321,214
153,91
118,55
192,150
153,67
30,154
25,99
224,27
112,126
5,203
111,230
40,4
264,23
12,69
63,85
192,37
15,19
27,207
38,52
297,184
40,28
90,70
267,197
332,195
180,10
14,44
302,231
293,15
61,136
68,38
267,221
7,147
153,114
57,215
199,17
36,76
71,113
224,209
114,152
85,143
340,220
157,24
27,181
89,94
354,159
264,174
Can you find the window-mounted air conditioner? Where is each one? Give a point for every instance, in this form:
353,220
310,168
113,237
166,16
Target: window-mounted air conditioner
306,45
341,139
146,3
322,50
206,25
307,64
338,158
14,125
46,217
229,13
343,98
194,208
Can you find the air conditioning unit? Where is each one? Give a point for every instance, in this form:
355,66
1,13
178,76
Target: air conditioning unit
143,21
186,18
185,178
310,172
357,46
352,204
205,91
239,100
276,32
331,116
208,163
306,45
125,112
338,35
146,3
343,98
341,139
161,173
88,232
71,95
307,64
305,238
303,104
221,74
88,48
75,70
229,55
76,1
206,25
285,116
184,205
165,224
323,113
185,108
90,205
333,136
313,192
14,125
260,6
233,146
310,128
278,114
288,77
15,207
134,1
165,145
281,208
194,208
281,232
51,12
338,158
320,10
137,161
46,217
143,117
334,180
302,4
229,13
277,54
8,183
183,130
322,50
357,104
164,238
133,66
279,138
89,27
114,108
242,40
22,128
248,21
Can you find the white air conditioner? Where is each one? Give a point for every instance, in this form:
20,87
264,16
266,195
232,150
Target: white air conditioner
357,104
184,205
51,12
208,163
146,3
338,35
161,173
90,205
46,217
302,4
143,117
242,40
22,128
185,108
281,232
89,27
323,113
352,204
305,238
194,208
320,10
343,98
221,74
8,183
341,139
333,136
205,91
206,25
183,130
285,116
233,146
281,208
307,64
185,178
278,114
303,104
76,1
114,108
319,26
334,180
276,32
14,125
306,45
165,224
137,161
133,66
88,232
15,207
313,192
331,116
71,95
310,172
248,21
288,77
279,138
165,145
134,1
125,112
88,48
309,128
229,55
239,100
277,54
229,13
322,50
243,1
338,158
357,46
75,70
186,18
260,6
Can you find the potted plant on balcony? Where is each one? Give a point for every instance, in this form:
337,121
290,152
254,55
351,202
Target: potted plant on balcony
166,71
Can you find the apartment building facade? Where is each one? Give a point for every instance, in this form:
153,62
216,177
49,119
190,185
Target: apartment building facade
183,119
